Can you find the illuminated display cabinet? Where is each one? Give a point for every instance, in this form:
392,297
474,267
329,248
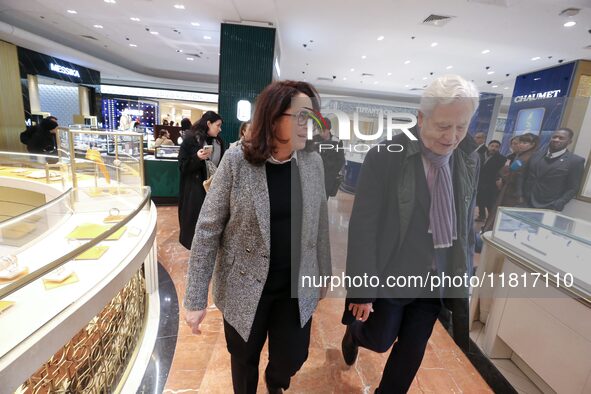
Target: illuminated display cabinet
77,265
536,309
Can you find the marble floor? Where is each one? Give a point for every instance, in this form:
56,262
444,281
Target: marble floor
202,363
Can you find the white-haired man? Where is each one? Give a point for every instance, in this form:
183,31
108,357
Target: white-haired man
412,217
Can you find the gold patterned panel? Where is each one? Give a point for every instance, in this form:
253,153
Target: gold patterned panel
96,358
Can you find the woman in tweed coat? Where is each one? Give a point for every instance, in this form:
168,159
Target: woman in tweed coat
266,196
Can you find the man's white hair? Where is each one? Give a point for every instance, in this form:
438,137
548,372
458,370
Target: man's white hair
447,89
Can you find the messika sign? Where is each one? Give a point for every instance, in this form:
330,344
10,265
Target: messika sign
64,70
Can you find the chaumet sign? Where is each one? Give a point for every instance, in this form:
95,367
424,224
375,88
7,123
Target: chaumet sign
537,96
64,70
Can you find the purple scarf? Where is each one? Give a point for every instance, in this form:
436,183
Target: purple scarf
442,213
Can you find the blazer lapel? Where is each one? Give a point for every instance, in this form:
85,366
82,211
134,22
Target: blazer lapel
309,195
260,198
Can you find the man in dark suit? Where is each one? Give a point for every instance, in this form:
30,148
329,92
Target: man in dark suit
487,181
553,178
412,216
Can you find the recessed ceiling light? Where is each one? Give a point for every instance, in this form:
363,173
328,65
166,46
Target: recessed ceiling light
407,86
206,37
375,82
191,58
179,6
72,12
449,67
506,87
407,62
495,86
434,44
535,58
424,78
98,26
344,78
135,19
154,33
179,50
132,45
485,51
389,74
195,24
352,69
110,1
490,72
380,38
364,57
570,24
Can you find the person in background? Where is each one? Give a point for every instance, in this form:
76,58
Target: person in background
413,215
193,170
244,134
333,158
480,139
164,122
514,148
489,173
552,178
163,139
185,129
266,200
511,176
41,138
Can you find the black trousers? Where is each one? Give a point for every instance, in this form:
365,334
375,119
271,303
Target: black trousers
485,200
278,317
411,321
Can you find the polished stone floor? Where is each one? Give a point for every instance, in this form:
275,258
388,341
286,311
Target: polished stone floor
202,363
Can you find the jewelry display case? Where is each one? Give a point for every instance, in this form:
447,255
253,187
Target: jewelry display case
532,308
555,243
68,262
110,158
167,152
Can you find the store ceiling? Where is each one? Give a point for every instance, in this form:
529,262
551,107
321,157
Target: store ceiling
320,39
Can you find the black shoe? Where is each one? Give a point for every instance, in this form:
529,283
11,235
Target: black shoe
274,390
349,348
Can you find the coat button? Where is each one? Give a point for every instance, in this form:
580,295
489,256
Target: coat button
247,250
467,198
241,272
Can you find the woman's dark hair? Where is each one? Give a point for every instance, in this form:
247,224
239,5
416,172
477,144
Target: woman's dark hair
199,129
243,128
186,124
163,133
531,138
271,104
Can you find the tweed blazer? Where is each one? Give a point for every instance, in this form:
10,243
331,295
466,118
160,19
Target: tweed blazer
232,239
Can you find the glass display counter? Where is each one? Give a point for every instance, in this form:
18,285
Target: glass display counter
109,158
67,265
549,241
533,308
167,152
163,175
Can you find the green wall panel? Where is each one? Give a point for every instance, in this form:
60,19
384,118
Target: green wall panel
246,68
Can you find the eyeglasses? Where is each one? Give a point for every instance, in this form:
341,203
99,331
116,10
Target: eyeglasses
300,117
